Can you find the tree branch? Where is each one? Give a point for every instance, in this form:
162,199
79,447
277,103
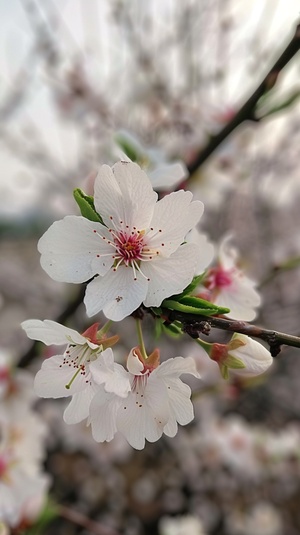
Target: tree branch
194,325
247,111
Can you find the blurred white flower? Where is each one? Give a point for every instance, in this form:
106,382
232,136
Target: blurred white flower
69,374
163,175
229,287
158,400
181,525
137,256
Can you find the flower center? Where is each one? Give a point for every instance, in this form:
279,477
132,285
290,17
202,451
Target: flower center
79,357
218,278
129,247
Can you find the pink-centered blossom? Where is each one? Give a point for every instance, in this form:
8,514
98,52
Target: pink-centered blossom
68,374
158,400
227,286
137,255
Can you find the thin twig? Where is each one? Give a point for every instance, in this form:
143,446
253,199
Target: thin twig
67,313
247,111
196,324
92,527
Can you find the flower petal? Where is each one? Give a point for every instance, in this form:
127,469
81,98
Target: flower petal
169,276
175,367
254,355
240,297
175,215
51,333
52,378
144,418
78,408
124,193
103,411
117,293
166,177
113,376
69,250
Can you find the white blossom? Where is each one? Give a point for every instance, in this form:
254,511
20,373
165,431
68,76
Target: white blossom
163,174
157,402
137,255
229,287
68,374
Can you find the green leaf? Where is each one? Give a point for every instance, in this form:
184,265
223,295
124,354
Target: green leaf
202,303
156,310
188,309
286,102
86,206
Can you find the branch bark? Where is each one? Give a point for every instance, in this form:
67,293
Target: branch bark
247,111
194,325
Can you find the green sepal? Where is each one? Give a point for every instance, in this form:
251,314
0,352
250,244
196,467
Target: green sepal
224,372
234,363
158,329
86,206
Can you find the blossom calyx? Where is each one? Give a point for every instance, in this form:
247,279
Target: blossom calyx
243,355
137,364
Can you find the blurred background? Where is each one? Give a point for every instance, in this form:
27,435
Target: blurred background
74,74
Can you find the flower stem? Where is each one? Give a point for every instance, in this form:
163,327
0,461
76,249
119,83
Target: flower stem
104,329
205,345
141,339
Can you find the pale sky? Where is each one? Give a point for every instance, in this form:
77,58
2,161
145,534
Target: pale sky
83,27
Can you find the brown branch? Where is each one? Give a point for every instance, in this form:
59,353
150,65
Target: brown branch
195,324
247,111
92,527
67,313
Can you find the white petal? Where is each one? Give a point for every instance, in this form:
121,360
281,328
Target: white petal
254,355
117,293
138,196
180,403
166,177
169,276
144,418
206,249
51,380
113,376
241,297
124,193
175,215
134,365
69,250
103,411
78,408
175,367
51,333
